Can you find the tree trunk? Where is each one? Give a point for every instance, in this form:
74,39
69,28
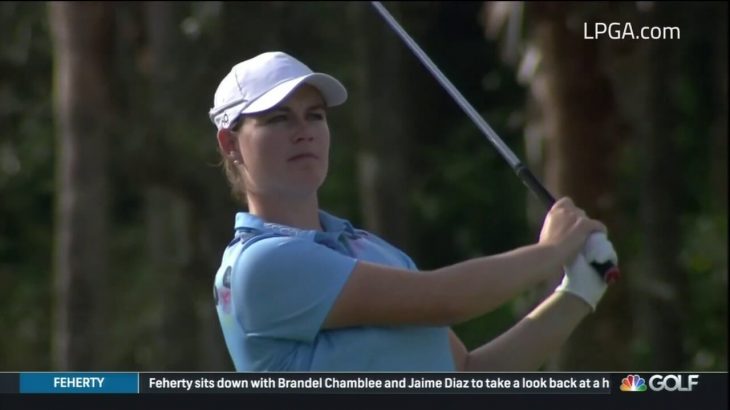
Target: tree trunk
383,135
81,38
168,214
662,287
579,119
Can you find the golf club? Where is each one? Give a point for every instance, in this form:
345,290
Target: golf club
607,270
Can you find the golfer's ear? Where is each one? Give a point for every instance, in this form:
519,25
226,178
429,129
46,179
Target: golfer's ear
227,140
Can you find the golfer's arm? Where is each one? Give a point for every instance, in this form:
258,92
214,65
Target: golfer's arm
381,295
527,345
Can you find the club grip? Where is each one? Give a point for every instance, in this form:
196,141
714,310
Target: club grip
599,248
607,270
531,181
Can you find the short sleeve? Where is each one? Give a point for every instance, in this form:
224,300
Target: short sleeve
284,287
407,262
411,265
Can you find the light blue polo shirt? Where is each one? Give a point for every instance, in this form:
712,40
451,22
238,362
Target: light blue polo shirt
276,285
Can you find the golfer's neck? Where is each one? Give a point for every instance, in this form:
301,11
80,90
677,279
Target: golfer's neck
302,213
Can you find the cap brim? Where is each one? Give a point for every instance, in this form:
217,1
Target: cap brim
333,92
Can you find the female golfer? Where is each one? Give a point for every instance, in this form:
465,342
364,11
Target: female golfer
300,289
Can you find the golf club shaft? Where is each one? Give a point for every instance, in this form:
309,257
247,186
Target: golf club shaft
607,270
520,169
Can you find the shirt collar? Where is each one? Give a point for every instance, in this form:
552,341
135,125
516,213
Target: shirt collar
332,225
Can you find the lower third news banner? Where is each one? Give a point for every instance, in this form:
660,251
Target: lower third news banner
376,383
700,389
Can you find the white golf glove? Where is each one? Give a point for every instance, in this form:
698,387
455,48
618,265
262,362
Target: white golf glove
580,278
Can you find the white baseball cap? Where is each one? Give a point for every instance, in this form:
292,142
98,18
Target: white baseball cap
262,82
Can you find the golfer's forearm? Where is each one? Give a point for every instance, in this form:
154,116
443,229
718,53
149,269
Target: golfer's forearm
378,295
527,345
479,285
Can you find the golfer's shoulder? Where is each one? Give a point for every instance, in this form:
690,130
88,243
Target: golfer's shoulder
367,235
263,247
271,252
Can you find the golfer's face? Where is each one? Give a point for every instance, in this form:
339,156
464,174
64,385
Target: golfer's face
286,150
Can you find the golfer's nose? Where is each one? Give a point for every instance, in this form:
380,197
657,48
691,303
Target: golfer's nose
301,130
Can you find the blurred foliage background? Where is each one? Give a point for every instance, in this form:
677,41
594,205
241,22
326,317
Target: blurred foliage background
114,212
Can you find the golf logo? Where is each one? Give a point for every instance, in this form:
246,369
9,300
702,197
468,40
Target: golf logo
633,382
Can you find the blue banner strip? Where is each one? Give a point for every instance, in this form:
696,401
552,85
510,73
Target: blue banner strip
81,382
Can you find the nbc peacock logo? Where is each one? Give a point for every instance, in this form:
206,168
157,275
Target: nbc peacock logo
633,382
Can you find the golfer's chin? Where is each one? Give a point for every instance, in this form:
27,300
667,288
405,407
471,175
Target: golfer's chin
305,184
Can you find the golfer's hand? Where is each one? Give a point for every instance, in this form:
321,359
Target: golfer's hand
567,228
580,278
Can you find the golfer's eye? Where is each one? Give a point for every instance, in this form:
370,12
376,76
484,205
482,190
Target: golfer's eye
276,119
317,116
